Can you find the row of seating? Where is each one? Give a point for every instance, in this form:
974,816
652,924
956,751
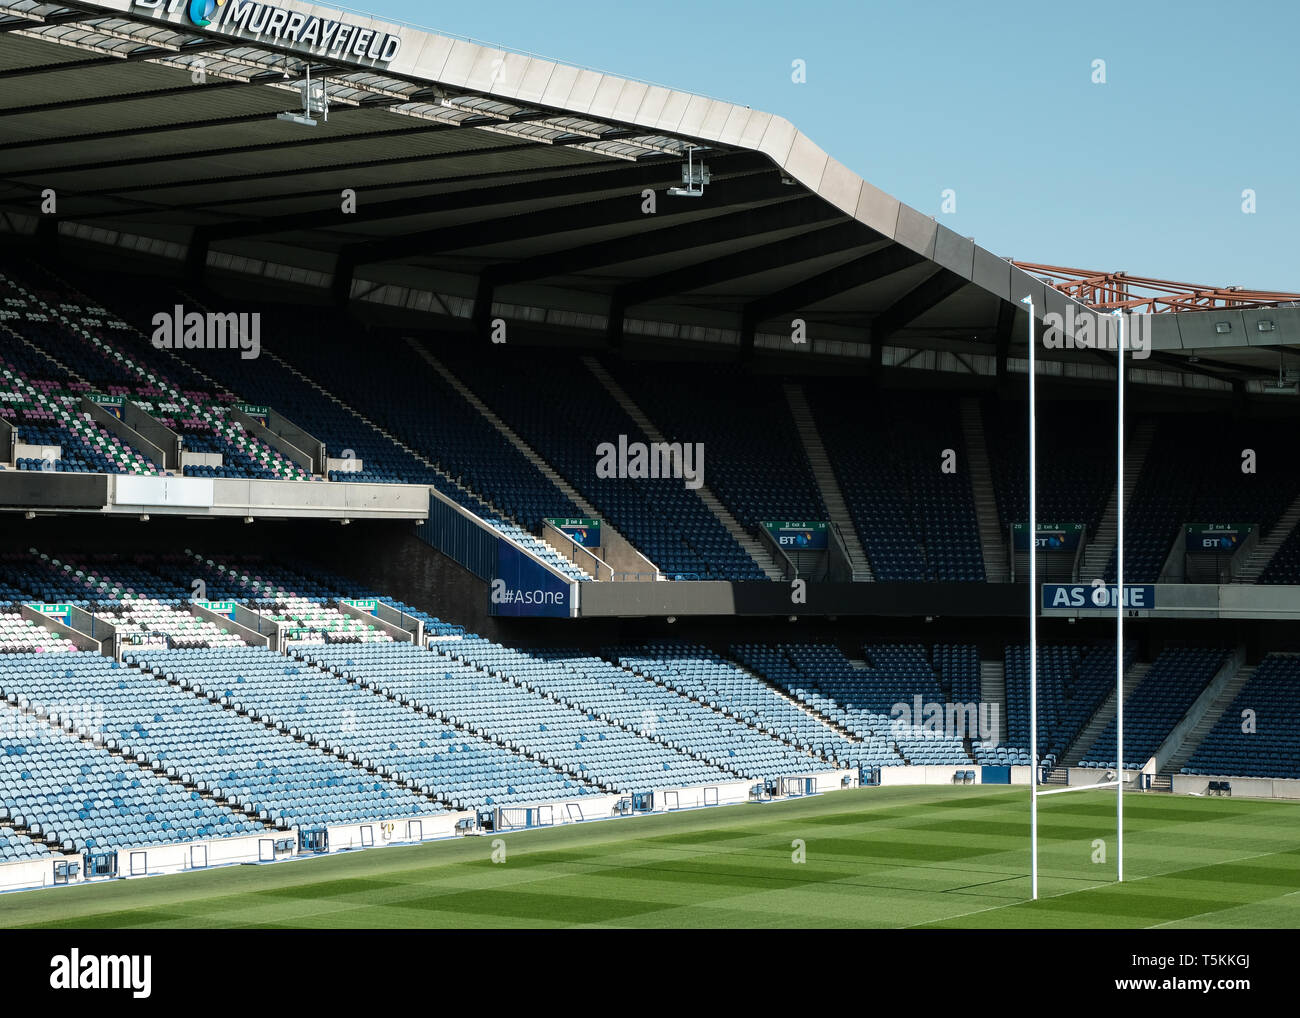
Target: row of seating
1198,471
1165,694
408,420
1258,734
914,514
1074,681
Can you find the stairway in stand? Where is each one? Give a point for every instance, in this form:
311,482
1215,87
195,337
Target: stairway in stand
997,569
824,474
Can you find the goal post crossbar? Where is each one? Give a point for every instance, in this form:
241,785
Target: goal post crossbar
1077,788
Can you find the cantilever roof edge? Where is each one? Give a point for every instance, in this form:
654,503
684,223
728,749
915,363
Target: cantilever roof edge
435,59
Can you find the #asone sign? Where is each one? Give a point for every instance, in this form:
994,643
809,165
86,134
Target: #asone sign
263,21
1136,597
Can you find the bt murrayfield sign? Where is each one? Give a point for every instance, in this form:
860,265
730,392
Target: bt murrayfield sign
247,19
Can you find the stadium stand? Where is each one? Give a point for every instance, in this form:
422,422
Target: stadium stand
1285,564
186,665
1269,749
1177,677
1074,681
81,797
204,743
81,345
657,711
756,463
484,685
1194,474
662,518
695,671
197,736
1076,466
414,403
915,521
864,699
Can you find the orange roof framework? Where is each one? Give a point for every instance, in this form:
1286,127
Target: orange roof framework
1110,291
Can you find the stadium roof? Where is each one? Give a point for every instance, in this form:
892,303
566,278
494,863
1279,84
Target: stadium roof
486,178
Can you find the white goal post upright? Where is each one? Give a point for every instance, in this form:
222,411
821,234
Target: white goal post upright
1034,791
1033,601
1119,607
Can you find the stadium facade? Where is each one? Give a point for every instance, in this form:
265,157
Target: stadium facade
674,457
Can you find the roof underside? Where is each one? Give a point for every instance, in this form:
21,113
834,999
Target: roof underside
167,132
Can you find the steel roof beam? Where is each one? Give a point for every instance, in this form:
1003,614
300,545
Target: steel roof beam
632,178
841,237
752,187
269,146
326,192
106,100
815,289
665,240
930,293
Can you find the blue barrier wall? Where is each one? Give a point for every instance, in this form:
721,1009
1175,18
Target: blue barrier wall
460,538
522,587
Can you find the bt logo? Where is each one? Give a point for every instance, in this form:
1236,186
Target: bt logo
202,11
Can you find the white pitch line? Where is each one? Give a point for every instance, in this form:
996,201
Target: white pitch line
1213,911
1110,883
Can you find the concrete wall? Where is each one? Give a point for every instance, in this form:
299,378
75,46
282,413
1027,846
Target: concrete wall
35,489
398,634
393,560
249,635
1261,788
161,455
31,873
27,450
79,639
722,794
231,496
8,442
406,831
150,860
156,432
623,558
153,860
717,597
931,775
280,425
279,443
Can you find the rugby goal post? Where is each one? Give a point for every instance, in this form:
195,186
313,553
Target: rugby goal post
1035,792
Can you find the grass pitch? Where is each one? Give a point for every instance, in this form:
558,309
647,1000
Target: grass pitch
901,857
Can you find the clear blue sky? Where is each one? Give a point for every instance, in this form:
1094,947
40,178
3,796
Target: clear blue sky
1144,173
